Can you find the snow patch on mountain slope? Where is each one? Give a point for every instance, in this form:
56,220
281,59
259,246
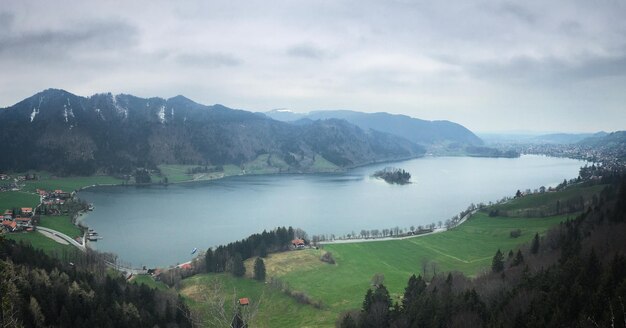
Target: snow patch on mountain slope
162,114
120,109
35,110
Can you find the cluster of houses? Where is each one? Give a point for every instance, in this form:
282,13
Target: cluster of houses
22,220
52,201
6,183
56,197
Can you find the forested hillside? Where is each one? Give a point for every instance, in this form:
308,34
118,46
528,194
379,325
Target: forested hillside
39,291
60,132
575,276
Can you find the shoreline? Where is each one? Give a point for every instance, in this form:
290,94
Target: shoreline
367,240
83,216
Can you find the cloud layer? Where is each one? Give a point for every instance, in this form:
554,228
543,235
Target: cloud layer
490,65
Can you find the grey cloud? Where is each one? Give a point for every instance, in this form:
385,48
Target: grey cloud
570,28
306,51
103,35
209,59
549,70
6,21
518,12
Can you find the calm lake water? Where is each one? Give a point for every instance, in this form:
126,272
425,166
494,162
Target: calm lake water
160,225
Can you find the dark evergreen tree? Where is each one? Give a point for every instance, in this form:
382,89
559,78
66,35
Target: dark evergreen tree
238,268
519,259
497,264
348,322
534,247
209,260
259,269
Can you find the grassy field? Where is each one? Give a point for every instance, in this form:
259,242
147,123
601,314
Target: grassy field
261,165
69,184
547,201
468,248
144,279
178,173
61,223
40,241
11,199
322,165
276,309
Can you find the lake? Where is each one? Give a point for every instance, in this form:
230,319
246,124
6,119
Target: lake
160,225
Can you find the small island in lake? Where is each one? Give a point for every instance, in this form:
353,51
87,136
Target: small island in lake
393,175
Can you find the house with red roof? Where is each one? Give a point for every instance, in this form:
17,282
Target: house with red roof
298,243
185,266
23,222
9,225
244,301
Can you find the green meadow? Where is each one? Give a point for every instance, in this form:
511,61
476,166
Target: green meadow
274,310
61,224
39,241
11,199
547,201
468,248
144,279
68,184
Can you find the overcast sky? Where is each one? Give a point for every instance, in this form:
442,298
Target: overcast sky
490,65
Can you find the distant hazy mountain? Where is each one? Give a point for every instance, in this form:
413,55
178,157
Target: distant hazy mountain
552,138
418,131
615,139
64,133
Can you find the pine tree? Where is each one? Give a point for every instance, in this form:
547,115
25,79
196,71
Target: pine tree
259,269
238,268
348,322
497,265
367,302
534,248
519,259
209,260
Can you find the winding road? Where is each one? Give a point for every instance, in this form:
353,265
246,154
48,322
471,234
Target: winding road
82,247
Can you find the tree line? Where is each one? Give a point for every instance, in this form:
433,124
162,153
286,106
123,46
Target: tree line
230,257
40,291
574,276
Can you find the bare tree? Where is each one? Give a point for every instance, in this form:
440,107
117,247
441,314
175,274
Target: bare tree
378,279
434,267
216,312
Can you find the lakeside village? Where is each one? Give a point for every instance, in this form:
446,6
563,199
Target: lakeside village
52,203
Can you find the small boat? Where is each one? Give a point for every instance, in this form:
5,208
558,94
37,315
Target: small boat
194,251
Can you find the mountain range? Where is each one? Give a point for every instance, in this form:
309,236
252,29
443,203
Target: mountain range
64,133
430,134
551,138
